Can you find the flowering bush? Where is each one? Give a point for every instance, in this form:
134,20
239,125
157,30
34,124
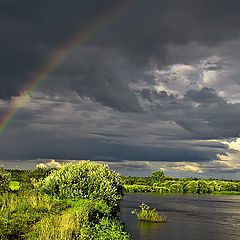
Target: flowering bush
83,180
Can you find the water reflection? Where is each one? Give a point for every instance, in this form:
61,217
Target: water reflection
147,228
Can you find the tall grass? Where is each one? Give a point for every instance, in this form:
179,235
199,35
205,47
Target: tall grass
18,213
71,224
40,217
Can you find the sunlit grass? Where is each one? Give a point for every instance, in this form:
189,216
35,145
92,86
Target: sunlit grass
41,217
228,192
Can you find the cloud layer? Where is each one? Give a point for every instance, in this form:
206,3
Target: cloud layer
159,84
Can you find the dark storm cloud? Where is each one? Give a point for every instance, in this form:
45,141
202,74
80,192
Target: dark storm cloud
31,31
94,149
205,95
151,85
202,113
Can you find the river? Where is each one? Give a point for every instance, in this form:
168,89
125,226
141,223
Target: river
191,217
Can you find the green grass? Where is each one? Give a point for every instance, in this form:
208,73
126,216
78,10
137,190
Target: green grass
35,216
14,185
149,215
228,192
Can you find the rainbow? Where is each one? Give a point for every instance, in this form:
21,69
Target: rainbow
58,58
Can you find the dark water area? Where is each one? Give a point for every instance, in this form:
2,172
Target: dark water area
192,217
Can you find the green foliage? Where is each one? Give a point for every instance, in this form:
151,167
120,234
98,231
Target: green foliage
14,185
83,180
228,192
191,187
156,177
76,202
176,188
35,216
19,212
5,179
71,224
149,215
161,189
137,188
109,229
157,182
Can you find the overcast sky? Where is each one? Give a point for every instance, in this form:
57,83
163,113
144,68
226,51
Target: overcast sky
157,87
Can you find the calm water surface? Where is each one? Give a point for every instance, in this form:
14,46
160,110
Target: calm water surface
195,217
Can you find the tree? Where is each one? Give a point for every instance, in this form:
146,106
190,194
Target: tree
156,177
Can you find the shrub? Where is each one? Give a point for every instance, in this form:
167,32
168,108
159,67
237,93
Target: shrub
83,180
149,215
161,189
109,229
137,188
176,188
191,187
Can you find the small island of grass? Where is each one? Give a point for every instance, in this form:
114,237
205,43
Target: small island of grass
149,215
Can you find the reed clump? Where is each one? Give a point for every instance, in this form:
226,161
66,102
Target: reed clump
149,215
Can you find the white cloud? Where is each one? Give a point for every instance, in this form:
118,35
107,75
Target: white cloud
52,164
187,167
235,145
180,78
231,159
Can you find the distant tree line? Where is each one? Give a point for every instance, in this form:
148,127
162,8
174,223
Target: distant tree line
158,182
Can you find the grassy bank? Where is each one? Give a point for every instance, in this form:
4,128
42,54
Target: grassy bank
36,216
228,192
76,202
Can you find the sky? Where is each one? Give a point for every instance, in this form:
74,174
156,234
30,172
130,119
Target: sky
156,86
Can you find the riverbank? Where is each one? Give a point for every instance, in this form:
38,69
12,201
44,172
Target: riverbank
144,189
160,183
79,201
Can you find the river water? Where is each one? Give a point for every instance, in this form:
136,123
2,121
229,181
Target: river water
191,217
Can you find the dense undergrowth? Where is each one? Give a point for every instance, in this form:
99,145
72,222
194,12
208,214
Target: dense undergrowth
79,201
